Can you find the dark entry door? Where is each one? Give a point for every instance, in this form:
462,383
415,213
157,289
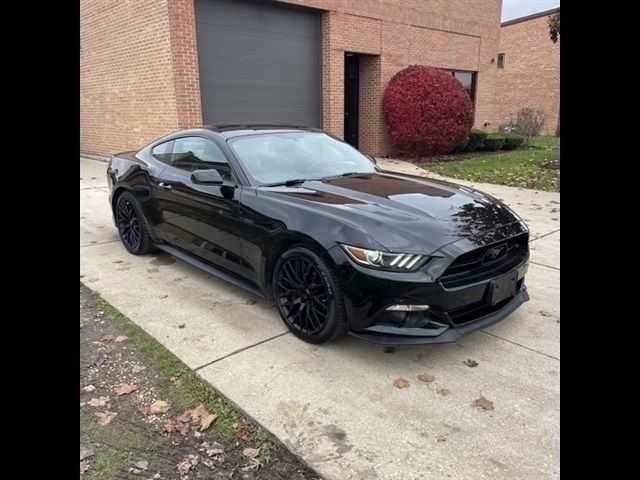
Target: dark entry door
351,97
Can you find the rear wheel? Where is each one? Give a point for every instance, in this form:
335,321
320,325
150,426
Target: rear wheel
132,225
308,296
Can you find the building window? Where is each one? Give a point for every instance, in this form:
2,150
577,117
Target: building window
467,79
501,60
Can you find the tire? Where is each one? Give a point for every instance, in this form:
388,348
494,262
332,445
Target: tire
132,225
309,296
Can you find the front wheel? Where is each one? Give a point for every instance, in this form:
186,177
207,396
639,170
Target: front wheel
308,296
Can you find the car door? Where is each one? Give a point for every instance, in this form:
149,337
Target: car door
201,219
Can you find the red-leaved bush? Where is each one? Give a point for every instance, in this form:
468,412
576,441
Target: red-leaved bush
426,110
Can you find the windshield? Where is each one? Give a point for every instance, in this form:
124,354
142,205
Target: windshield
281,157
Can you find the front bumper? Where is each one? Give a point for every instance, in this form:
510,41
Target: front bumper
454,313
437,332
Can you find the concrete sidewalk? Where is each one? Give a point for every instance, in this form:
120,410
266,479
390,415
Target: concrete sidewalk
335,405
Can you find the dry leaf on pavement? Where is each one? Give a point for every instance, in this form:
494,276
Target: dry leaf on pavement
98,402
400,383
441,438
443,391
125,389
141,465
483,403
470,363
426,377
121,338
104,418
544,313
88,388
107,337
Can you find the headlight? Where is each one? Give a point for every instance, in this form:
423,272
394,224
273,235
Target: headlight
401,262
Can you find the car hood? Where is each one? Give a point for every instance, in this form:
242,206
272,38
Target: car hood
406,213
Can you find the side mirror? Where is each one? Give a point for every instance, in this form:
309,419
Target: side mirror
206,177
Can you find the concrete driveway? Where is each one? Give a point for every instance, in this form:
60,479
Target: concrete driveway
336,406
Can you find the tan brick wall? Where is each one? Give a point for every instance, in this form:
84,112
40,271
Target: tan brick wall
127,94
139,72
531,73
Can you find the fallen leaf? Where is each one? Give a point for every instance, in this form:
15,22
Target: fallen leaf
104,418
125,389
175,425
137,368
400,383
89,388
441,438
82,404
156,476
555,219
144,410
84,466
214,451
554,210
544,313
163,296
470,363
243,432
184,467
118,261
142,464
121,338
159,406
443,391
426,377
251,452
85,453
182,325
202,416
98,402
483,403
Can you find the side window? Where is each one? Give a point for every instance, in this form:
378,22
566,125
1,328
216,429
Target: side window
196,153
162,152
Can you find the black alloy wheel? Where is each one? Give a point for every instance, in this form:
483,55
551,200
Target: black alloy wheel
132,226
308,296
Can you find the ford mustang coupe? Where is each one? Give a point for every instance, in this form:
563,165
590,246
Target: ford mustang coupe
341,246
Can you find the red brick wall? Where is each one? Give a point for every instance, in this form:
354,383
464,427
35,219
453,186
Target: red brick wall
139,72
531,73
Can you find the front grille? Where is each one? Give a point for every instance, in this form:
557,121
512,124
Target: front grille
474,266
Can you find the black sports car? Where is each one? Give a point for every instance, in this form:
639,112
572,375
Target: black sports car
297,215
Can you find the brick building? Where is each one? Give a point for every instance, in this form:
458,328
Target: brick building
529,69
148,67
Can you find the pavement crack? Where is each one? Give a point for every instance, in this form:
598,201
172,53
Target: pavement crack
543,265
520,345
542,236
240,350
99,243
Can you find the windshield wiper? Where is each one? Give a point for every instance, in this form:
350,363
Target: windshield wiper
348,174
287,183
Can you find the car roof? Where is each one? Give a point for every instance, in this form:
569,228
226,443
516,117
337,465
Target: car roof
230,130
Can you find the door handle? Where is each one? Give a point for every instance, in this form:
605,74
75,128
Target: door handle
165,186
